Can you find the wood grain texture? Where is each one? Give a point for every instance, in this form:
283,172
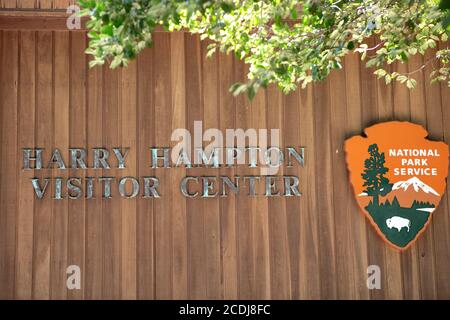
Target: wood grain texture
178,107
162,213
26,114
36,4
61,136
237,247
94,208
44,137
9,167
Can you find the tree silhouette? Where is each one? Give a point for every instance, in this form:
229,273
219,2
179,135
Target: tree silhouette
395,202
374,180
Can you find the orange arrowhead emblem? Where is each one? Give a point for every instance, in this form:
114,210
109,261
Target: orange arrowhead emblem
398,178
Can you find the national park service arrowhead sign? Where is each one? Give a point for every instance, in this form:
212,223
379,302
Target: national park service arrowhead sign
398,178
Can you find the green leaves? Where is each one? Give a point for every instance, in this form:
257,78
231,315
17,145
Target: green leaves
250,88
402,78
286,42
107,30
351,45
411,83
444,5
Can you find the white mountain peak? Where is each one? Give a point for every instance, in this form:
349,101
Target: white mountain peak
416,183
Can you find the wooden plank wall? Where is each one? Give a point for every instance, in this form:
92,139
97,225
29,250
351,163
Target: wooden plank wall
318,246
36,4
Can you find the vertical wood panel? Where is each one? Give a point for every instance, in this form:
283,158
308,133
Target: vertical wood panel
324,205
163,206
27,4
443,219
128,206
9,166
178,93
210,86
279,257
45,4
61,4
145,216
61,141
8,3
309,265
111,209
291,131
344,242
43,208
78,139
228,204
244,216
260,211
94,210
358,234
440,222
195,211
426,243
26,116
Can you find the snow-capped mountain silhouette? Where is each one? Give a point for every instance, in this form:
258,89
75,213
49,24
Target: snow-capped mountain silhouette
412,190
416,184
407,192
